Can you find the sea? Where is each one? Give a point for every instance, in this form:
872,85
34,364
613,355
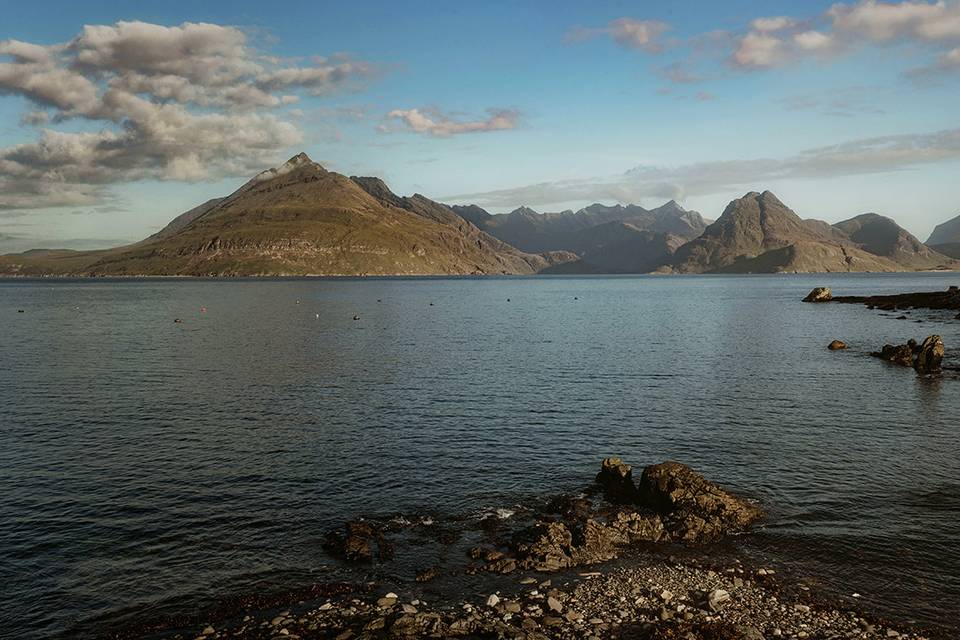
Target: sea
166,444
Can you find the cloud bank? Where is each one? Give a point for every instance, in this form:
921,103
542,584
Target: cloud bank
855,157
189,102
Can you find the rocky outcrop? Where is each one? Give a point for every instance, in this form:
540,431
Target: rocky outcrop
693,509
820,294
949,300
926,357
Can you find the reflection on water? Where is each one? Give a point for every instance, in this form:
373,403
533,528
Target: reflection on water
146,464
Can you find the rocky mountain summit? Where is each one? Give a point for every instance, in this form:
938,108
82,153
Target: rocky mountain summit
300,219
759,234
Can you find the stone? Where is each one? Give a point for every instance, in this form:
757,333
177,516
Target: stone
896,354
208,630
511,607
693,509
929,355
493,600
717,598
837,345
427,574
819,294
616,478
409,608
386,603
554,604
801,608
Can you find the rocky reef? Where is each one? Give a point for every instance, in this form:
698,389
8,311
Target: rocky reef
926,357
949,299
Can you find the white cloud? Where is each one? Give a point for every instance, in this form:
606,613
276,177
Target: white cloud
627,32
175,103
435,123
777,23
773,42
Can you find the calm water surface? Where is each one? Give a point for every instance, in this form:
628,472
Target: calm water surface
149,467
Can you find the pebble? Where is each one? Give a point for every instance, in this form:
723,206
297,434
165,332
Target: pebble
717,598
554,604
493,600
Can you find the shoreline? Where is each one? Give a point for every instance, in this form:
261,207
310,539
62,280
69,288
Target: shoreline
655,593
660,560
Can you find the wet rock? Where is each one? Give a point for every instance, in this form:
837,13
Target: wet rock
428,574
547,549
895,354
837,345
356,542
693,509
616,478
929,355
820,294
493,600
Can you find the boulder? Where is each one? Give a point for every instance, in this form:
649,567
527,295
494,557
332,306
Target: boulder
896,354
616,478
820,294
693,509
837,345
929,355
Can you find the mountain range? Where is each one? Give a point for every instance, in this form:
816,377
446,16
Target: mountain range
300,219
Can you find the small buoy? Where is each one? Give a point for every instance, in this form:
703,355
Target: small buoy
508,299
298,302
378,299
318,316
20,311
575,298
431,304
177,321
354,317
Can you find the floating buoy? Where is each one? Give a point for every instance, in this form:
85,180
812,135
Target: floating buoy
354,317
177,321
318,316
20,311
298,302
508,299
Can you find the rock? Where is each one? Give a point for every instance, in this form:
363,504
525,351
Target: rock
427,574
545,547
717,598
504,565
554,604
208,630
837,345
493,600
693,509
386,603
896,354
820,294
616,478
801,608
929,355
409,608
511,607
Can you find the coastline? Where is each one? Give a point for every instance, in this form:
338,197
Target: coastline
690,579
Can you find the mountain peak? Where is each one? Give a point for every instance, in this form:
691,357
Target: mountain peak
296,162
523,211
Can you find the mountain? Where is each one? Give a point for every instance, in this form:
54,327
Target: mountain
300,219
528,230
946,238
608,239
759,234
883,237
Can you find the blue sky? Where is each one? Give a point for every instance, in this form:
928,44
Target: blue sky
839,109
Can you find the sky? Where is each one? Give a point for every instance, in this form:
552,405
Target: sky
116,117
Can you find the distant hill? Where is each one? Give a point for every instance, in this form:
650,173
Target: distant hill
946,238
883,237
759,234
300,219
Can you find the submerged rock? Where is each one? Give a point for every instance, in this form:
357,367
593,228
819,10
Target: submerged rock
820,294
